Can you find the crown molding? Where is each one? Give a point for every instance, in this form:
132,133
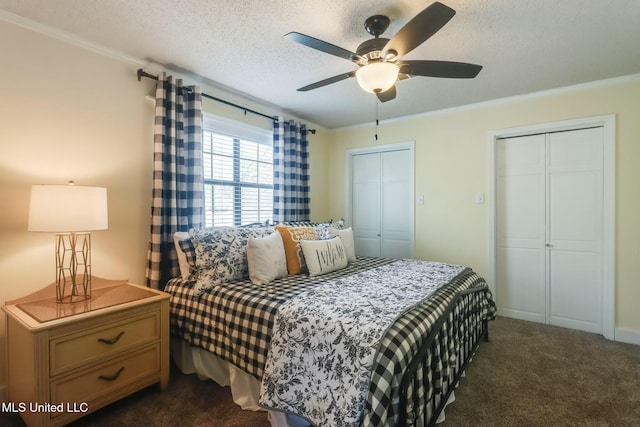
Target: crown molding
69,38
501,101
219,89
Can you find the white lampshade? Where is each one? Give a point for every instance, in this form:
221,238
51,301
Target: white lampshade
67,208
377,76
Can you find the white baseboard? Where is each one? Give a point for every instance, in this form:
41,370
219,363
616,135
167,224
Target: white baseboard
628,336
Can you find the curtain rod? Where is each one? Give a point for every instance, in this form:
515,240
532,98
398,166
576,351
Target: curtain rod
142,73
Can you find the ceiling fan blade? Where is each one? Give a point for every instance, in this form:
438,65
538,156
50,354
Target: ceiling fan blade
447,69
419,29
323,46
328,81
387,95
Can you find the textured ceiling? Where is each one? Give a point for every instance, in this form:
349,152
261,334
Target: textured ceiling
524,46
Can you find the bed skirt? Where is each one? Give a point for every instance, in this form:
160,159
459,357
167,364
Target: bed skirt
245,388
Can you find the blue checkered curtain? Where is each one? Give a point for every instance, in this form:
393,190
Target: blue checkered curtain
178,182
290,171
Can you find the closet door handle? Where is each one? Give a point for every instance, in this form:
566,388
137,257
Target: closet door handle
549,245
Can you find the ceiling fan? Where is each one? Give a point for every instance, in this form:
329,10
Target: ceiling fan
379,59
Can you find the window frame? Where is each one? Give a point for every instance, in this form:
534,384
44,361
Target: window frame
238,132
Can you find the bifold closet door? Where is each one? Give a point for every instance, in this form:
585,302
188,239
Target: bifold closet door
365,203
549,228
382,203
520,219
575,179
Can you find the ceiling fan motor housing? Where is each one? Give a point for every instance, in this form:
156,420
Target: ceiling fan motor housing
372,48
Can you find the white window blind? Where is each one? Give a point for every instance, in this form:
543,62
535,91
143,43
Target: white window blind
238,173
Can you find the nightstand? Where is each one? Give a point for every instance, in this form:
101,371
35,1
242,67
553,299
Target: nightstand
67,360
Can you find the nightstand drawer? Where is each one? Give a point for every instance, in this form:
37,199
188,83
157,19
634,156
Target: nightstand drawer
71,351
108,379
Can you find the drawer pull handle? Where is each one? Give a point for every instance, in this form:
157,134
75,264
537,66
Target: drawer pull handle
111,377
111,341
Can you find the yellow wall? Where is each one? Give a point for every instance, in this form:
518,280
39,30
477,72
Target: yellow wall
67,112
451,155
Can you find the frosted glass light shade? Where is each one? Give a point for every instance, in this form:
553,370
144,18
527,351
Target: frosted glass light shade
377,76
67,208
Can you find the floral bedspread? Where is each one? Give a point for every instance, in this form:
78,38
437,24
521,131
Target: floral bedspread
325,340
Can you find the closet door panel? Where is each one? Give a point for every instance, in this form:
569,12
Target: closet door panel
520,185
575,205
520,223
521,290
396,176
575,290
575,229
365,201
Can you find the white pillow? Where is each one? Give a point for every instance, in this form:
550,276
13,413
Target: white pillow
266,258
324,256
185,269
347,240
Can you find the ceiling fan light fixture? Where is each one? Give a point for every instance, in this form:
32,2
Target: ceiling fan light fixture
377,77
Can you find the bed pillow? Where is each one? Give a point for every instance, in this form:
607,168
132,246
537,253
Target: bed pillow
186,251
221,255
347,240
266,258
186,254
324,256
321,228
291,237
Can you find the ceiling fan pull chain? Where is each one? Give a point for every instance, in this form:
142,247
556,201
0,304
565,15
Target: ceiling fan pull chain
377,121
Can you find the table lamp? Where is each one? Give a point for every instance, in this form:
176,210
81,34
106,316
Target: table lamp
71,211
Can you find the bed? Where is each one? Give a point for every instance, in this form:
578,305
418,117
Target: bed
365,342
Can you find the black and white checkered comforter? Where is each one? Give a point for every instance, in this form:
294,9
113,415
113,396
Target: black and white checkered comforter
234,321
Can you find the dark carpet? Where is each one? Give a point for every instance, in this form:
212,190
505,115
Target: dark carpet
526,375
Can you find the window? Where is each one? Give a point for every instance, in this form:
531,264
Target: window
238,173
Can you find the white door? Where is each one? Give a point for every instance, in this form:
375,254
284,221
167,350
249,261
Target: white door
520,218
365,203
396,204
381,203
575,229
549,228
